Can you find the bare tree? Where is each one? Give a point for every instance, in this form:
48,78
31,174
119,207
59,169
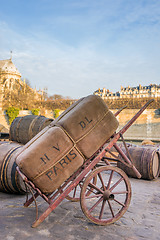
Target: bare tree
56,97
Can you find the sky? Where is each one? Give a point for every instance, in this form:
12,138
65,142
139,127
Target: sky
74,47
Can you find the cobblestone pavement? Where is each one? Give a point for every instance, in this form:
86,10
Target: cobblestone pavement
141,221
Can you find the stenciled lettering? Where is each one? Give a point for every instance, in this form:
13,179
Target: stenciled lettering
68,158
61,165
63,162
57,148
73,154
49,174
45,158
56,169
89,121
82,124
85,122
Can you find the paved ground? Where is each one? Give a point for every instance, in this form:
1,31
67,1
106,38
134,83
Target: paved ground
141,221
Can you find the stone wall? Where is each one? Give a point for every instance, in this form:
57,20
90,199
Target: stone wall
147,126
4,119
132,103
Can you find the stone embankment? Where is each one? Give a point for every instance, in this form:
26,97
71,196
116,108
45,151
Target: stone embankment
4,123
147,126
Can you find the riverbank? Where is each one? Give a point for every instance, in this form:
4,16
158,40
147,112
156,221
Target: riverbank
140,132
147,126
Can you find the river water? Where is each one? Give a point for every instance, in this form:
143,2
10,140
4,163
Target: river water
140,132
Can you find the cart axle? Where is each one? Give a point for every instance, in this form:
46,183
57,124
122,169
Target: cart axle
107,195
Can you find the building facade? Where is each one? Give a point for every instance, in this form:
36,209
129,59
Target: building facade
10,82
153,90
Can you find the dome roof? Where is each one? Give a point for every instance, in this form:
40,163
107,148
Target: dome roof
7,66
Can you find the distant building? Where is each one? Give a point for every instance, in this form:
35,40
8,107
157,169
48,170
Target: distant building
153,90
106,94
10,80
9,75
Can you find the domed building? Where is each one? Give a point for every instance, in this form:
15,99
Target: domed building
10,78
9,74
11,83
8,70
14,91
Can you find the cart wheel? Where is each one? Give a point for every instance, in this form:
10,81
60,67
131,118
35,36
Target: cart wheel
74,195
110,196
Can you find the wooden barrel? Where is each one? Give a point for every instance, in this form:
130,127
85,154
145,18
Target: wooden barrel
13,129
145,159
38,124
25,128
2,154
10,181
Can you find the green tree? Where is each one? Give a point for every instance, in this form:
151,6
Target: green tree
35,111
56,113
12,113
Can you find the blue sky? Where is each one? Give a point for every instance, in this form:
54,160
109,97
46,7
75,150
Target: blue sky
74,47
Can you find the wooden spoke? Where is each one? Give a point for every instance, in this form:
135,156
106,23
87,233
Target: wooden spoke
74,194
102,209
95,205
101,179
119,202
110,179
94,196
122,192
110,207
95,187
116,184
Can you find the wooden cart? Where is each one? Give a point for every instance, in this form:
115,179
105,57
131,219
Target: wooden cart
104,192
